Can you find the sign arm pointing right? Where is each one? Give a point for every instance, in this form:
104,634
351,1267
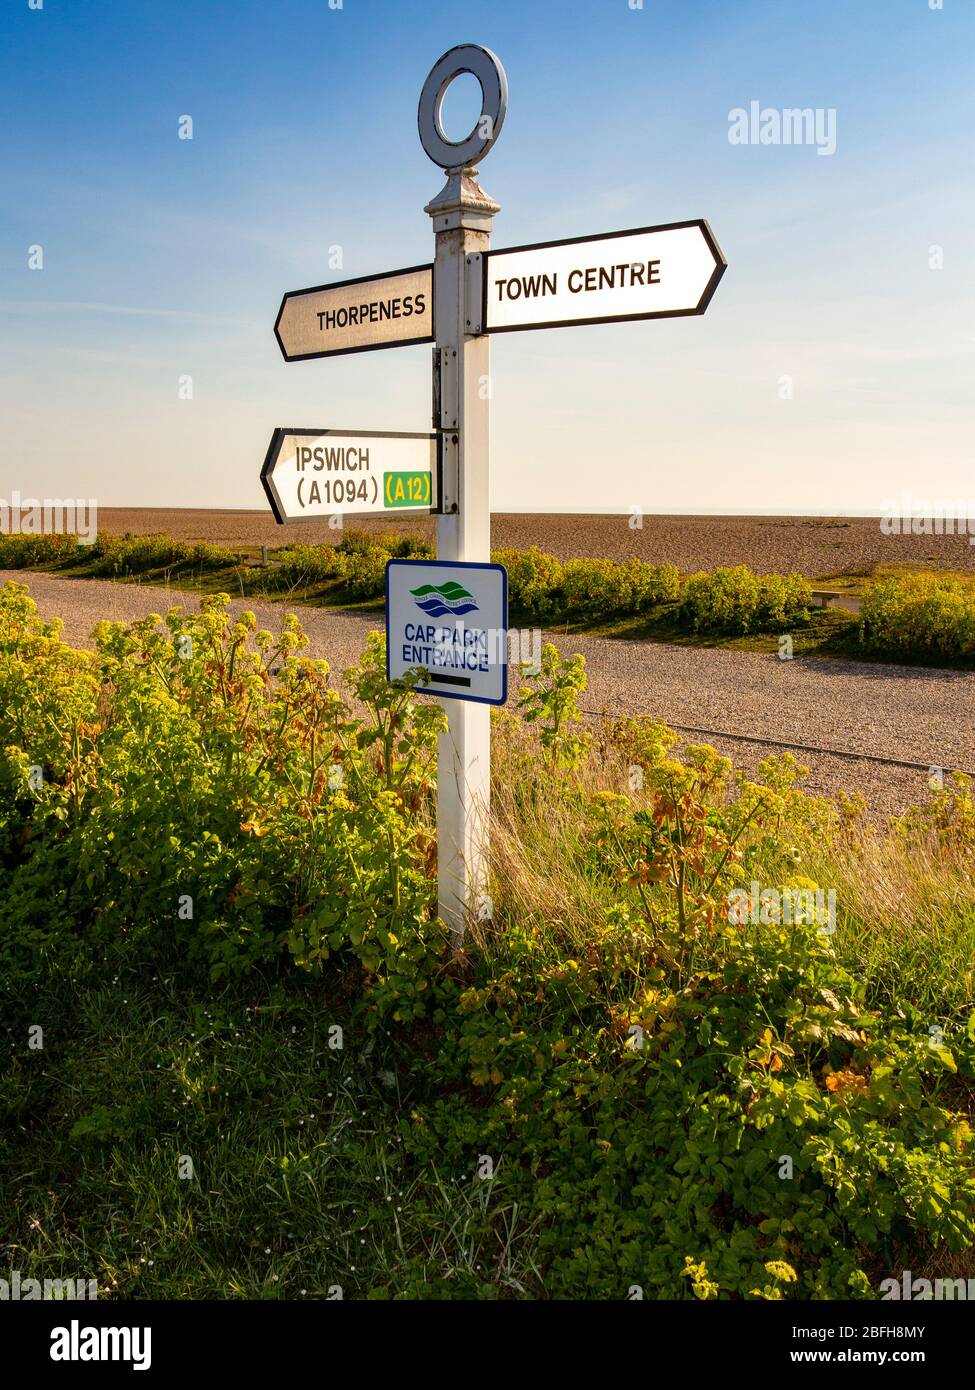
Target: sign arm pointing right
667,271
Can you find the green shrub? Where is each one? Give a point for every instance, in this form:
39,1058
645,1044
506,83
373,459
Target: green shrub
605,588
695,1104
285,821
766,1117
362,573
410,548
685,1102
736,601
653,584
118,556
357,564
21,551
361,560
210,557
549,699
115,555
542,588
596,588
355,542
306,565
534,582
923,615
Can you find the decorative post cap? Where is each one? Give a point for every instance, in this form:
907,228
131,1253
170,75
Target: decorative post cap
454,155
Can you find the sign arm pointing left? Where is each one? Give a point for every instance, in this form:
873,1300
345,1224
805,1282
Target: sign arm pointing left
313,475
376,311
267,471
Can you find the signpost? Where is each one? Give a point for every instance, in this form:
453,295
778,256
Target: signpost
450,622
462,215
309,475
448,618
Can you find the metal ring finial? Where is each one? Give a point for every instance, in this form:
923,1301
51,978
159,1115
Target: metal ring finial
453,155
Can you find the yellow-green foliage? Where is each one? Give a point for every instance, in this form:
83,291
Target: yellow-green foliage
736,1065
604,588
118,556
673,1096
115,556
736,601
307,565
23,551
357,565
172,765
923,614
361,560
534,580
541,587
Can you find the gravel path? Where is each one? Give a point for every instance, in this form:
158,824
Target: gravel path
922,716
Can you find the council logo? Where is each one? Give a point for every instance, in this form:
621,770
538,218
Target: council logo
444,600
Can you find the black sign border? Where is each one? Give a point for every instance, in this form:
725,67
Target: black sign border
274,500
700,222
343,284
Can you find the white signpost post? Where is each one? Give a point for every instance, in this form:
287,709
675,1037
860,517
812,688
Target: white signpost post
448,618
462,214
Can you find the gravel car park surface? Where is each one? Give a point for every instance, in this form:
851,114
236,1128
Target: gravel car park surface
916,715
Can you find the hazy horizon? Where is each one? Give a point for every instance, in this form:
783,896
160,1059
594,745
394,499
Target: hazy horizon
543,511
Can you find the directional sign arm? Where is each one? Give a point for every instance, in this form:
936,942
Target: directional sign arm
377,311
311,475
669,271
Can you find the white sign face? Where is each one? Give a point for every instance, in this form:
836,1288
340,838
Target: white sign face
449,620
656,272
311,474
357,315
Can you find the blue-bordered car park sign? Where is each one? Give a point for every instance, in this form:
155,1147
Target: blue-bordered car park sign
449,621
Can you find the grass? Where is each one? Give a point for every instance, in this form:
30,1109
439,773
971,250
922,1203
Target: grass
300,1186
905,902
855,581
829,632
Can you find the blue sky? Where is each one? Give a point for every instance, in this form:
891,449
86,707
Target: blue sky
166,258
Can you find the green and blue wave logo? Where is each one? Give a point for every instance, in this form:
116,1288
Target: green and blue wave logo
449,599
